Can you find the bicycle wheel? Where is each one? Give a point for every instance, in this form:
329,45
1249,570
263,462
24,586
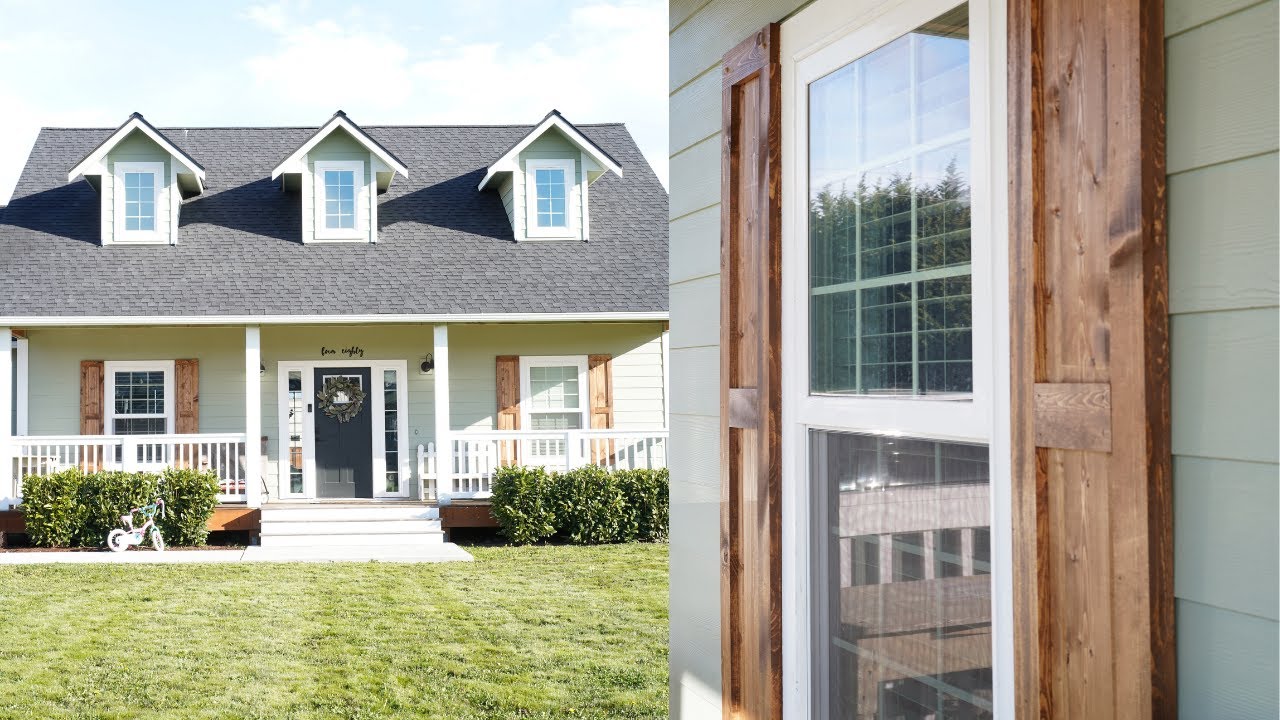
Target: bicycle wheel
116,540
157,541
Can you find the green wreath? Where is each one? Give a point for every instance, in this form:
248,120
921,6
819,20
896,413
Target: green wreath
342,412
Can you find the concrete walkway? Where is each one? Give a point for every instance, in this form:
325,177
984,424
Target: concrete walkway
436,552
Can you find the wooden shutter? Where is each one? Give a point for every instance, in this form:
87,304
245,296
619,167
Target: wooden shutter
750,379
186,383
600,388
91,397
507,382
1092,551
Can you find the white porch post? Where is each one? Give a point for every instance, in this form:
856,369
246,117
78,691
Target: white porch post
8,486
444,441
252,416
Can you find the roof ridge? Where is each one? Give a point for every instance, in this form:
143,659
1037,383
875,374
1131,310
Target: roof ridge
313,127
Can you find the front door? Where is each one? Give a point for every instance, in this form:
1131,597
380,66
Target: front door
344,436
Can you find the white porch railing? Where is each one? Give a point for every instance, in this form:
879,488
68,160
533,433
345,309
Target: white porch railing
475,456
41,455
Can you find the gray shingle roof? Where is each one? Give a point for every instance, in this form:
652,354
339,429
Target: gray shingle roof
444,247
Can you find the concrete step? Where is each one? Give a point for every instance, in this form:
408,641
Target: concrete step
348,527
335,540
348,512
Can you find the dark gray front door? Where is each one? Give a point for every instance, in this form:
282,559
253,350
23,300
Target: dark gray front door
344,450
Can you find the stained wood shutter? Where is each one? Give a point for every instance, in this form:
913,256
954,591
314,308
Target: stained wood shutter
507,383
750,379
186,383
600,388
91,397
1092,551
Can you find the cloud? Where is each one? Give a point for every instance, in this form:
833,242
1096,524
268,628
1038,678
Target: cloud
587,70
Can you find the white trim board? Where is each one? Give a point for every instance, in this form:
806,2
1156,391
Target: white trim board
510,162
160,320
294,163
22,369
93,165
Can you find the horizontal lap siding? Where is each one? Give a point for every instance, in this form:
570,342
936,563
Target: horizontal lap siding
701,32
1224,250
636,348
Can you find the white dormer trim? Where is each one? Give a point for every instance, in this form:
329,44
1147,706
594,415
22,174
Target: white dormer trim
296,163
95,162
510,162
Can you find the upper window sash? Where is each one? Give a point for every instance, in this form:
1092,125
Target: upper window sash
527,362
339,202
551,196
111,368
138,189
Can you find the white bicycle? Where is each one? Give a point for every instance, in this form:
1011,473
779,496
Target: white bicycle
122,539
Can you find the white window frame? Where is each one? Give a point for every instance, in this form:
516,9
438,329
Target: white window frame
357,232
532,229
820,39
119,233
109,370
526,395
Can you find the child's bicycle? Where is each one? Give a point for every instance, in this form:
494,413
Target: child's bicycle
120,539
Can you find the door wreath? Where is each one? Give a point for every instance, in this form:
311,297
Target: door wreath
341,399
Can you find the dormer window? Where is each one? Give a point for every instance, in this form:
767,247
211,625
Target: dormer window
551,187
137,185
338,174
543,181
342,200
141,178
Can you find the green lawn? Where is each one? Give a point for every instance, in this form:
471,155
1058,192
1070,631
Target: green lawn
544,632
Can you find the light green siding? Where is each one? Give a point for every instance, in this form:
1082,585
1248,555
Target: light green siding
55,355
701,32
54,370
1224,271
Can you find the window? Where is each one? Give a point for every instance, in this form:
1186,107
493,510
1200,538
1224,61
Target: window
552,398
139,398
391,429
888,316
338,189
137,188
551,189
295,426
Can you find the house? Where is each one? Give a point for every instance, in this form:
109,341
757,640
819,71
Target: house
366,314
979,304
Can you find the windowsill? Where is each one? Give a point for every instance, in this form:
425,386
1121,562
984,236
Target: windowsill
140,238
340,237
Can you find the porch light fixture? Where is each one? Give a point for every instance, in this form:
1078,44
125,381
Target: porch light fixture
428,364
262,370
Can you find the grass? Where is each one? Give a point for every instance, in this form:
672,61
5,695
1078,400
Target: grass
541,632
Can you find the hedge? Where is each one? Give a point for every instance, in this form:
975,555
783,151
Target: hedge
586,506
73,508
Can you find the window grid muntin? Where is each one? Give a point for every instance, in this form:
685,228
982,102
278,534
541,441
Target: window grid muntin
139,201
902,250
551,195
339,199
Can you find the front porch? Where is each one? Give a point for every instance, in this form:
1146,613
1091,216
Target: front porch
444,406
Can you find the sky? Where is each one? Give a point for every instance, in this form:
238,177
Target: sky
191,64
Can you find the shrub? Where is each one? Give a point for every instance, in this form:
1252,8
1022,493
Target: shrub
51,508
647,512
587,505
189,499
75,508
521,505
